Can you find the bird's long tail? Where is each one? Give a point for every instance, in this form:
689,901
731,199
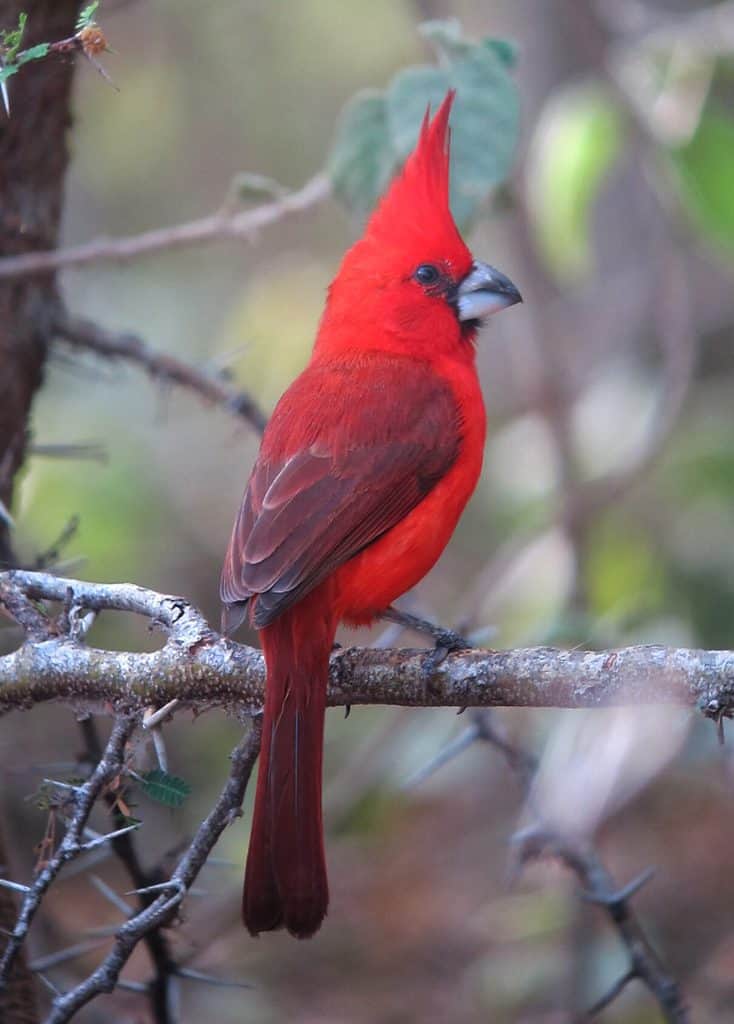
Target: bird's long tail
285,877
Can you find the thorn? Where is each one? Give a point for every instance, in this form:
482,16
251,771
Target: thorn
615,900
109,894
62,785
5,515
70,953
132,986
160,887
448,753
529,842
92,844
49,984
208,979
5,883
95,63
611,995
153,717
160,748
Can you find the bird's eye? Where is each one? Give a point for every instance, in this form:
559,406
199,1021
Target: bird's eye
427,274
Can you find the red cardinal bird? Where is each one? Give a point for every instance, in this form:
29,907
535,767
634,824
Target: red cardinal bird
363,472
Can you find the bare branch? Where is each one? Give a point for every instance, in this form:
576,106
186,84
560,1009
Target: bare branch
597,884
222,225
85,335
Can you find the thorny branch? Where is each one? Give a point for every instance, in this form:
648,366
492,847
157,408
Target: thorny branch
83,334
578,856
224,224
171,893
85,797
160,987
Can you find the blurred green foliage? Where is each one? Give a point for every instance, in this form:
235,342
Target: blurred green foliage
705,172
378,129
577,140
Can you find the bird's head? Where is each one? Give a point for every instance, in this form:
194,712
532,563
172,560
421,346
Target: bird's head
410,284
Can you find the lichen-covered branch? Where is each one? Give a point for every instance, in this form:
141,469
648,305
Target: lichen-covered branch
201,668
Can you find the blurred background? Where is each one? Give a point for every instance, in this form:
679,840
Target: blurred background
605,514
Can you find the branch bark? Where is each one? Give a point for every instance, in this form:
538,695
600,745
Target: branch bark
198,667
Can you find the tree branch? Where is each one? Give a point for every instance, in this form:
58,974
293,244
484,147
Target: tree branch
224,224
83,334
200,668
163,908
85,796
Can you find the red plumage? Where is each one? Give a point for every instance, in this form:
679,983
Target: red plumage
363,472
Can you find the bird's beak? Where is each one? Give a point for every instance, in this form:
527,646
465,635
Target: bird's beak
484,291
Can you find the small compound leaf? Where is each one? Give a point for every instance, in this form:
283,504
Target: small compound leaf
32,53
86,16
12,38
166,789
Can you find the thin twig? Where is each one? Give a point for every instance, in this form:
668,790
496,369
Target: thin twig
597,885
109,766
164,907
222,225
83,334
159,990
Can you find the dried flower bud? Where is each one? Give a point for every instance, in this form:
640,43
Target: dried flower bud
92,40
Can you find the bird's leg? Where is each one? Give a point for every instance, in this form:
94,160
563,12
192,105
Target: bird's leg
446,640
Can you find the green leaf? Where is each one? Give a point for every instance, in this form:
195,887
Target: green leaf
704,173
164,788
362,159
378,129
86,16
11,39
577,140
32,53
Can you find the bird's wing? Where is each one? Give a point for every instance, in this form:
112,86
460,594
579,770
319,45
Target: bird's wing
370,450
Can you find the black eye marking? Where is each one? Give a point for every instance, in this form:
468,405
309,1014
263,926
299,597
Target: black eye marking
427,274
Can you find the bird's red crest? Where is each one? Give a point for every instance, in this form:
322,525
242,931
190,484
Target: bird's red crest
415,209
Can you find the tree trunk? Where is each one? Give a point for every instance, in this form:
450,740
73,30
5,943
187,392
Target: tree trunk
33,161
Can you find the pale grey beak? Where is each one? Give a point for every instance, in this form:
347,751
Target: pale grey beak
484,291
